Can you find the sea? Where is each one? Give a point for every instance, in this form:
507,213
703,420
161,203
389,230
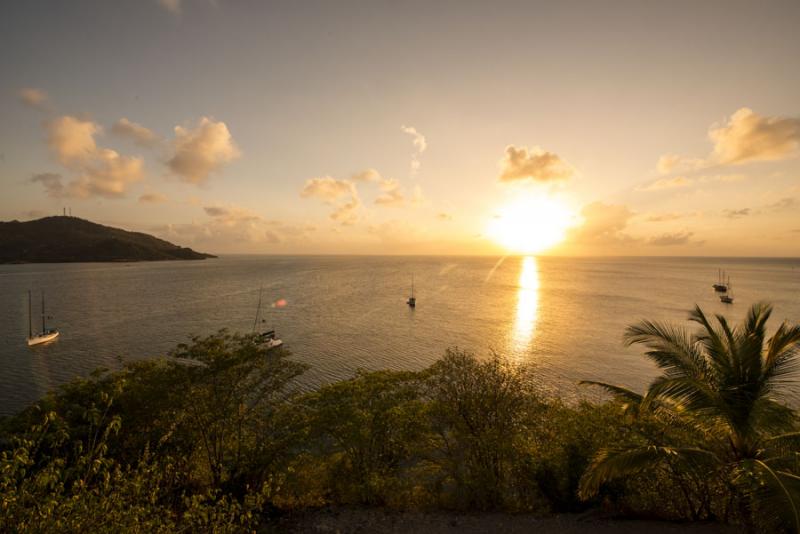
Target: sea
563,316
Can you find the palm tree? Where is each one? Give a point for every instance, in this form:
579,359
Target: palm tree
722,384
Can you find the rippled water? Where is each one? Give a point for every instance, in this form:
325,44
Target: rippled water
345,313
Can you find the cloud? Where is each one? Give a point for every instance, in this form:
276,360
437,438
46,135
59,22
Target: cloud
72,140
52,183
443,216
173,6
603,224
235,228
736,214
367,175
340,193
671,239
136,132
787,203
347,213
533,165
661,217
748,137
420,145
34,98
199,151
99,171
391,196
107,175
672,162
666,183
152,198
328,188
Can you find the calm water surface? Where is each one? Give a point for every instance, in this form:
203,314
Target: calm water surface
566,316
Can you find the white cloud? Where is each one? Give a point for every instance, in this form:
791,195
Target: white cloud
199,151
134,131
533,165
34,98
420,145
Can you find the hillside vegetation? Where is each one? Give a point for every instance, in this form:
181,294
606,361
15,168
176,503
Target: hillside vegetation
70,239
233,445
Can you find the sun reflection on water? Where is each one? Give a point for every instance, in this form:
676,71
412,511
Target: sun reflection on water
527,303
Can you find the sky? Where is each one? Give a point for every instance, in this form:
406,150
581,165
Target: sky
299,127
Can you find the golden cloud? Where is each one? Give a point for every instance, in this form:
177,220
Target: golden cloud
100,171
199,151
139,134
34,98
748,137
533,165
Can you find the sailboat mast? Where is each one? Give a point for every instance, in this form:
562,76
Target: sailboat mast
30,315
412,286
43,327
258,309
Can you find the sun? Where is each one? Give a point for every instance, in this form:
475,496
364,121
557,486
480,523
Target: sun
530,224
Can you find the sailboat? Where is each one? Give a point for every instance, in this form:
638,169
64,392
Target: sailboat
268,339
46,334
412,300
720,286
728,297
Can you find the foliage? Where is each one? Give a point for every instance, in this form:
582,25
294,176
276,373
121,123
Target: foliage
220,438
718,394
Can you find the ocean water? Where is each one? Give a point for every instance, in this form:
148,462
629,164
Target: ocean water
565,316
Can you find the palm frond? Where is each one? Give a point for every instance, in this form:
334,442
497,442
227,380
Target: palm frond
613,463
715,349
670,348
687,394
782,351
631,401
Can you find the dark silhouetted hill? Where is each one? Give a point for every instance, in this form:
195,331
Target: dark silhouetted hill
71,239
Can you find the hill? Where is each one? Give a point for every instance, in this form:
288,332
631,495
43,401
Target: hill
71,239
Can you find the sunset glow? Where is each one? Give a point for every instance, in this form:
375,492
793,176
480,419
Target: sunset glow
531,224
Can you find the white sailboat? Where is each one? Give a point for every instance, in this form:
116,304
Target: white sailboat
47,334
268,339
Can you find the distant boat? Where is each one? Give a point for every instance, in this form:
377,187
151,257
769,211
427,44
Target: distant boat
268,339
412,300
728,297
47,334
720,286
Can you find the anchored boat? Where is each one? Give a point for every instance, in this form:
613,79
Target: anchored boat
47,334
268,339
412,300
